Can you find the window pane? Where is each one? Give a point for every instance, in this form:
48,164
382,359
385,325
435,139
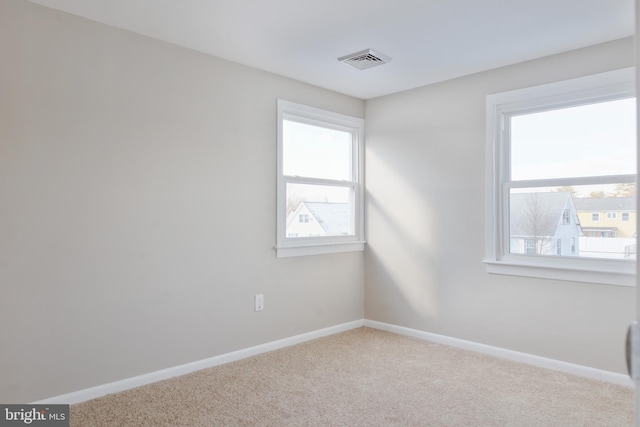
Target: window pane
589,140
316,152
595,221
318,210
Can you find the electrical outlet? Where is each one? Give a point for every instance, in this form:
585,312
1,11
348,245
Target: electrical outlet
259,302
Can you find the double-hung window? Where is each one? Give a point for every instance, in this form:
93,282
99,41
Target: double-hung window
319,186
555,154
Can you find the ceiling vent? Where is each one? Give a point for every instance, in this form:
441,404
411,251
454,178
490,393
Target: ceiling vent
365,59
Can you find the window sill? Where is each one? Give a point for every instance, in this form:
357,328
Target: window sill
319,249
608,272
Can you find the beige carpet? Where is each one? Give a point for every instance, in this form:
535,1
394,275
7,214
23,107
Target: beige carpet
366,377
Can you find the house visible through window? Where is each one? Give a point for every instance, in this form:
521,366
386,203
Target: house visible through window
319,200
565,158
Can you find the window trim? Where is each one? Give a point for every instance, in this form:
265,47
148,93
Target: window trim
598,87
304,246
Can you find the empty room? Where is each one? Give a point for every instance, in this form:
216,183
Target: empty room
338,213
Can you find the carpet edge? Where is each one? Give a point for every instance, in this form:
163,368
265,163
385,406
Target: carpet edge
529,359
163,374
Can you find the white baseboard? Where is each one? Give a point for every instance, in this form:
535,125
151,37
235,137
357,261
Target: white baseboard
129,383
530,359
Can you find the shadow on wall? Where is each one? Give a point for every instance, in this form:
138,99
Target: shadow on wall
401,273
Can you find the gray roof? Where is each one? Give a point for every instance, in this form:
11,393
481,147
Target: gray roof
332,217
605,204
536,214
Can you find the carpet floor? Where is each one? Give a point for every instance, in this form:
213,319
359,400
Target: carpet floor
366,377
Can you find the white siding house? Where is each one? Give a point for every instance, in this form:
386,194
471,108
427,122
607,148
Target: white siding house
312,219
544,224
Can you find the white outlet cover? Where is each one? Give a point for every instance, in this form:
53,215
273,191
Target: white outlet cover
259,302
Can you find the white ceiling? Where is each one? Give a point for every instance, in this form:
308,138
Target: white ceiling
428,40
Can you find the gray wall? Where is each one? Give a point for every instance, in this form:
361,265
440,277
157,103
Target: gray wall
137,208
425,178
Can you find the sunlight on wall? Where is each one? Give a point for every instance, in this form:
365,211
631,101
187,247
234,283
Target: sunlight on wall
401,222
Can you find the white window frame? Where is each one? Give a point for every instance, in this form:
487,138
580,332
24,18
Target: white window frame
602,87
302,246
624,215
595,216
